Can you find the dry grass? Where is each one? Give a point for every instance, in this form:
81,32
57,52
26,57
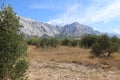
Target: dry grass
62,63
71,55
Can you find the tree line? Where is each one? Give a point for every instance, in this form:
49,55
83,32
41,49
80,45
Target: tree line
52,42
102,44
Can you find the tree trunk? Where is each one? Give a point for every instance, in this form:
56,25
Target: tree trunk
109,53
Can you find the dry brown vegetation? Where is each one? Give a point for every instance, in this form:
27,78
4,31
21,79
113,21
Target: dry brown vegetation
71,55
71,63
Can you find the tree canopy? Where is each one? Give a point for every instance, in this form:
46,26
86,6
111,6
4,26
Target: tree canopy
12,46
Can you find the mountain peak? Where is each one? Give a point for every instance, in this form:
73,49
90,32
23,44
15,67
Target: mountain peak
32,27
76,23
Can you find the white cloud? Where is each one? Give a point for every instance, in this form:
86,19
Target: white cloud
98,11
95,29
68,16
108,12
116,31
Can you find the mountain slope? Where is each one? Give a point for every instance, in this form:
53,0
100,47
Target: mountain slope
75,29
32,27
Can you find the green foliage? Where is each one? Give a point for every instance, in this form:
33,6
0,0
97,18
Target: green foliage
88,41
47,43
105,44
66,42
97,49
101,44
20,69
75,43
33,41
54,42
44,43
12,45
70,42
114,45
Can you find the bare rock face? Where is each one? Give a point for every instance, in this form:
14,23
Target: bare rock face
32,27
76,29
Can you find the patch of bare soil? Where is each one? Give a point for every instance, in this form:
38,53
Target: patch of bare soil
69,71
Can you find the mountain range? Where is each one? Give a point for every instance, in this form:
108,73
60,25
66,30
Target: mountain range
35,28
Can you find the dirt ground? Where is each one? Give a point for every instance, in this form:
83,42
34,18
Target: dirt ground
66,63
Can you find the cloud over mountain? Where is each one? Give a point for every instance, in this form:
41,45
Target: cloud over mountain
97,11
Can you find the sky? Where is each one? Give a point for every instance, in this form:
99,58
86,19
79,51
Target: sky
102,15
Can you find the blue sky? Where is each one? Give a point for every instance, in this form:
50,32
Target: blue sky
102,15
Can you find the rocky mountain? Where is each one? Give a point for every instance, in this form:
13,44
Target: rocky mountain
76,29
32,27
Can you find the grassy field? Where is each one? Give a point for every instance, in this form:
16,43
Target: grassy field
71,63
71,55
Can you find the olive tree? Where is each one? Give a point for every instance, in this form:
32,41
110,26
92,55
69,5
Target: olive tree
106,45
